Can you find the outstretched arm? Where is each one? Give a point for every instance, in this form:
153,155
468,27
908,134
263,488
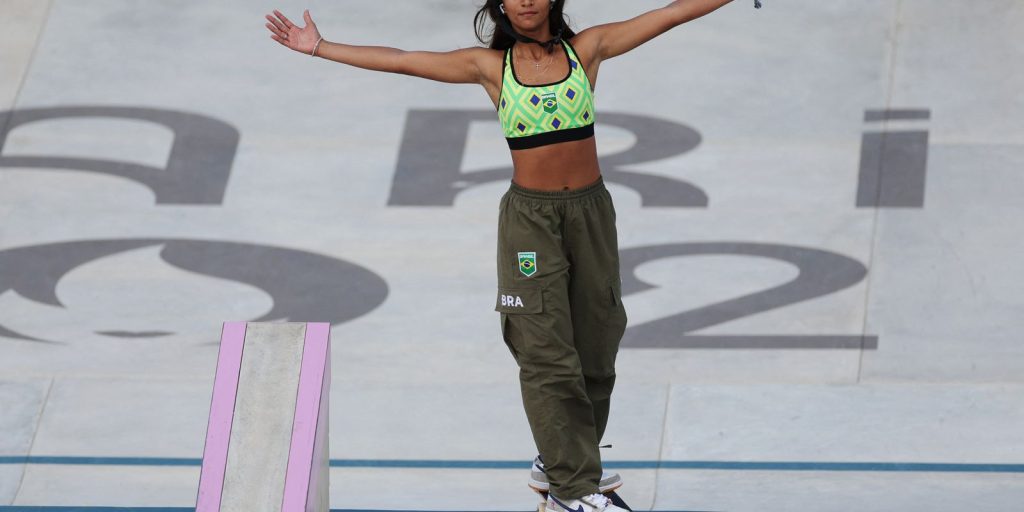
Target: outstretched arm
458,66
614,39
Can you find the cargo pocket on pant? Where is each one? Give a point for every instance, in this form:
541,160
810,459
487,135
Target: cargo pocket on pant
513,302
615,320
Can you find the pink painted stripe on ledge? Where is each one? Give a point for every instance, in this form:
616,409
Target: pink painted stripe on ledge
222,413
321,449
307,407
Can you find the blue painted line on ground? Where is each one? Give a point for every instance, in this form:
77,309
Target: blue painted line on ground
100,461
19,508
909,467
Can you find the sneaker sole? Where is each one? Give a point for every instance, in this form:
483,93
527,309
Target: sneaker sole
543,507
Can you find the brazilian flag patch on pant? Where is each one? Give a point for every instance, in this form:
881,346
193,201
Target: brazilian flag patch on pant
528,263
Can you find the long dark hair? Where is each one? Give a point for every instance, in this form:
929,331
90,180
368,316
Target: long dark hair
490,14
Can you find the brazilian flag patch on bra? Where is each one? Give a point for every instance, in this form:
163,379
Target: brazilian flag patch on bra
528,263
550,101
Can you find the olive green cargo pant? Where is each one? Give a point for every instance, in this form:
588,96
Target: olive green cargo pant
562,319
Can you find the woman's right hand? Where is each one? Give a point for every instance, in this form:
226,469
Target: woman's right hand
288,34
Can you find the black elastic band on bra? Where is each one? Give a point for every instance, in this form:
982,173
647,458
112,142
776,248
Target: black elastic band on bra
543,139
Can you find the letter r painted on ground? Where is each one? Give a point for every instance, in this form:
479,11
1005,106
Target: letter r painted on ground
428,172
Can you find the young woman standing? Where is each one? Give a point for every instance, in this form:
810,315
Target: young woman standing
558,265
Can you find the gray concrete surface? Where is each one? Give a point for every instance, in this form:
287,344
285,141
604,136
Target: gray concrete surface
754,121
261,429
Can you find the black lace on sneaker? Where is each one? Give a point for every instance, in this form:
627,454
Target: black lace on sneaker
542,470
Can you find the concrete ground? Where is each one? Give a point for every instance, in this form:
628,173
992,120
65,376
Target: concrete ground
820,223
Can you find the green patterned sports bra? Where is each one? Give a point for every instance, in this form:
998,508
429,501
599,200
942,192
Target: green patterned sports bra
538,115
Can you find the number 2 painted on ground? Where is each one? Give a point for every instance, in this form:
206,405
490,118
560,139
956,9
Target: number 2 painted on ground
821,273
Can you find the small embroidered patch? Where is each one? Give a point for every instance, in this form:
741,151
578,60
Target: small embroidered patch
550,102
528,263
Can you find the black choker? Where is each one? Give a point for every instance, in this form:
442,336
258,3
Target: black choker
506,27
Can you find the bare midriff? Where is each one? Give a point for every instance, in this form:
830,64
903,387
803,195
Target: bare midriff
563,166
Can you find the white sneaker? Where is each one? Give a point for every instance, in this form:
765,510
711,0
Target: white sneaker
592,503
539,479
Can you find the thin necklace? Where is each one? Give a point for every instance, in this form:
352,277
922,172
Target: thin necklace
537,71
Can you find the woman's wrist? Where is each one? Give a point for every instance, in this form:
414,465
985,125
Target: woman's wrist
316,48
